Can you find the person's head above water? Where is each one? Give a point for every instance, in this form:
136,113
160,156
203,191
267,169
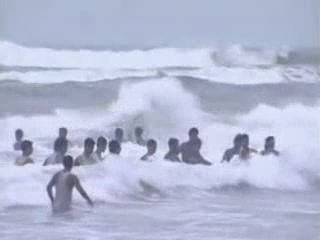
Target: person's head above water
63,132
101,144
19,134
245,140
237,141
114,147
269,143
61,145
138,131
68,162
118,134
89,146
193,133
27,148
152,146
173,144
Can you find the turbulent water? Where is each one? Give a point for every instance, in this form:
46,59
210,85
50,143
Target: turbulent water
221,91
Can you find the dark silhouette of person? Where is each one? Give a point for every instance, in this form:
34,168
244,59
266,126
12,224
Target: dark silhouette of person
114,147
235,150
60,149
190,150
269,147
173,154
19,138
138,134
151,150
246,151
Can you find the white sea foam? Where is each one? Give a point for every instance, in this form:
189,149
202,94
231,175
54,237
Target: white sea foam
166,110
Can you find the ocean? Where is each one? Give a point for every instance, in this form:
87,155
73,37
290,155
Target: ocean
222,91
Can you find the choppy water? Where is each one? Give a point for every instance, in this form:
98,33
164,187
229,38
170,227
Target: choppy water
166,91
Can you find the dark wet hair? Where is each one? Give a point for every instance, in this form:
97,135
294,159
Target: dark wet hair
89,142
237,138
193,131
25,145
19,131
101,141
114,146
270,138
68,162
245,136
173,142
151,142
59,143
63,129
118,130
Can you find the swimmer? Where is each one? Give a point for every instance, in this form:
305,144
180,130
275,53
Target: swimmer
235,150
246,151
60,149
151,150
173,154
114,147
27,150
64,181
19,138
63,133
269,147
190,150
101,148
138,132
118,135
86,158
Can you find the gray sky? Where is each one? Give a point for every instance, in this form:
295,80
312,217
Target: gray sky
98,23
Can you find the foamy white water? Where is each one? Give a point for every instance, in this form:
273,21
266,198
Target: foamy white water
167,92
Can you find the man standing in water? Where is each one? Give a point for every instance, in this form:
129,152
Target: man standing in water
19,138
246,151
138,132
86,158
190,150
173,154
27,150
64,181
269,147
119,135
60,150
235,150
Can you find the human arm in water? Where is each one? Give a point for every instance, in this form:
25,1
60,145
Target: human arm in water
50,185
80,189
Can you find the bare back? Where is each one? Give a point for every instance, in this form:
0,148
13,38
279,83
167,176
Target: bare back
64,183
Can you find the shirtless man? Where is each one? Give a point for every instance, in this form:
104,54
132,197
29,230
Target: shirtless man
64,181
190,150
138,132
118,135
60,149
86,158
101,148
246,151
19,138
235,150
114,147
173,154
269,147
25,158
151,150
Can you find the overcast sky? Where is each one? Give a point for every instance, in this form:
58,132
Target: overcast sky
98,23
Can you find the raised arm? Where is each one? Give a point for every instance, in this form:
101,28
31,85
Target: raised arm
50,185
80,189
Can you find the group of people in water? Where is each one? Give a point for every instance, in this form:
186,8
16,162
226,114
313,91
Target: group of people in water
64,181
187,152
